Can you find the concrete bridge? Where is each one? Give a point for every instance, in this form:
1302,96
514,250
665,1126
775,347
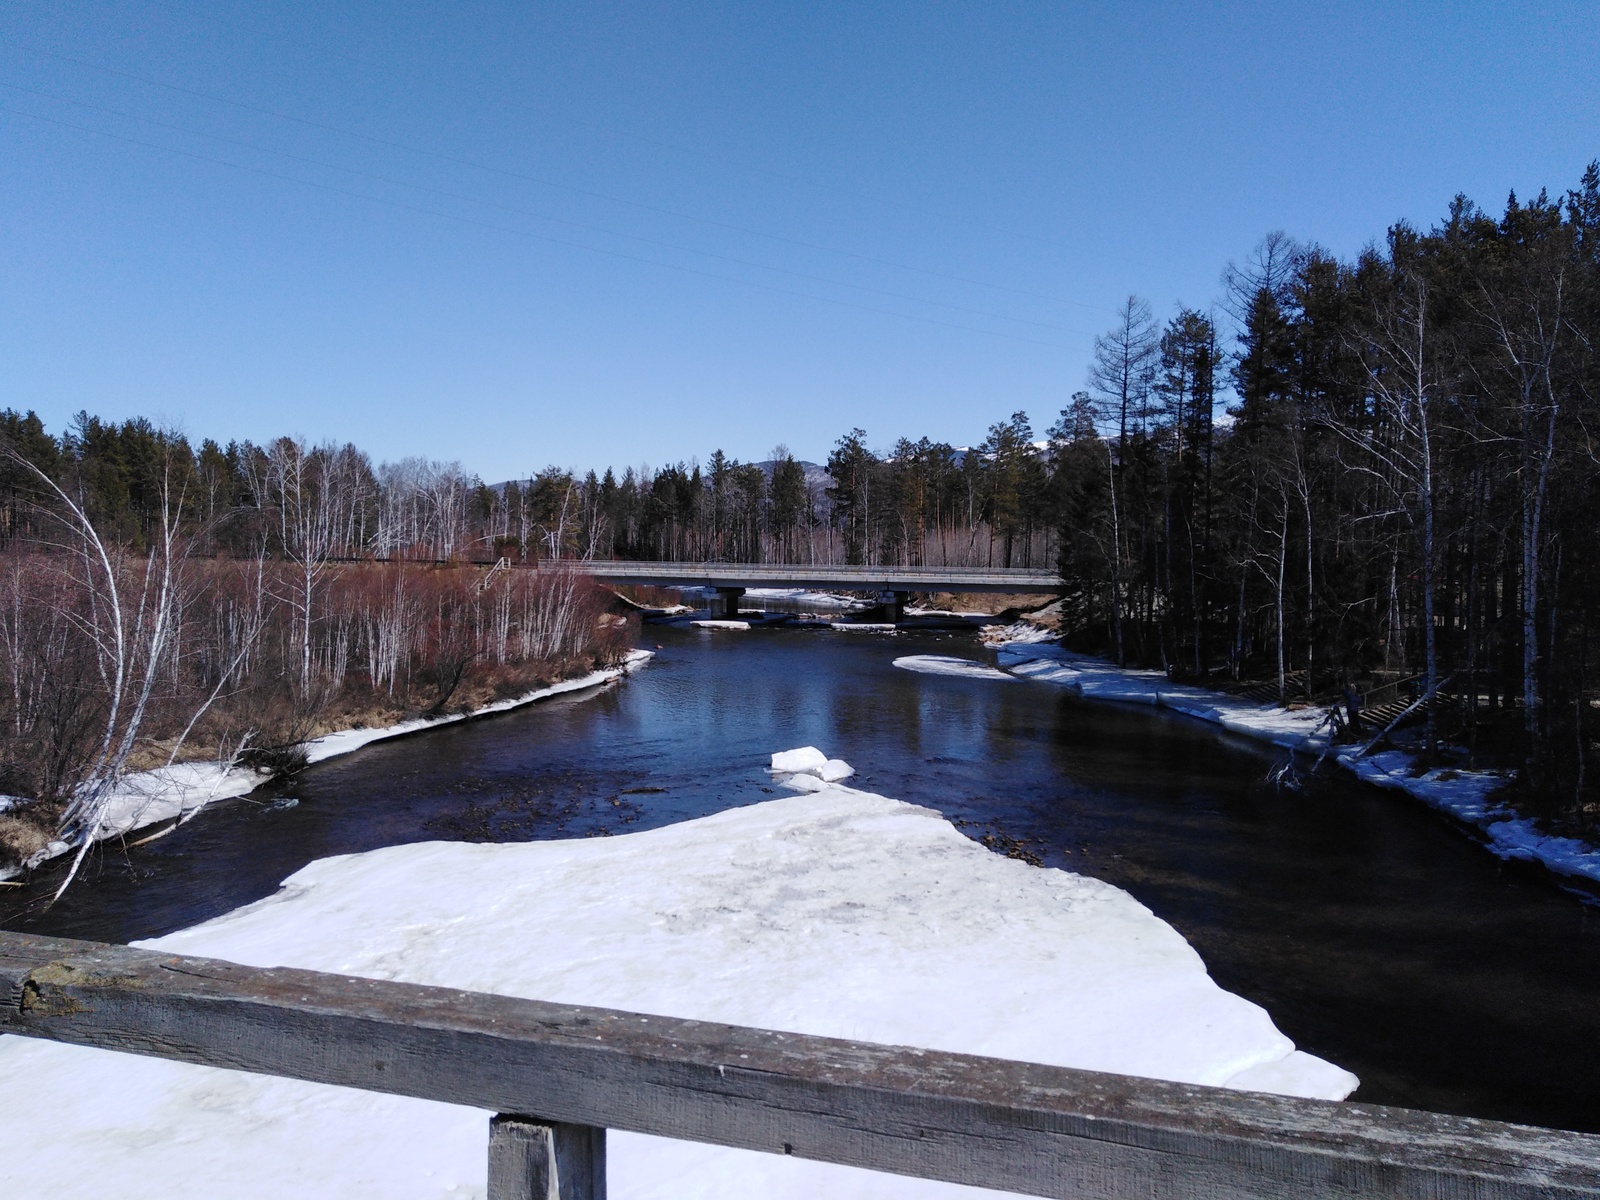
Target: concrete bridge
894,585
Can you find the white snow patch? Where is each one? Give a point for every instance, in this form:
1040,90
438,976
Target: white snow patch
815,600
820,601
840,913
835,770
803,782
714,624
941,664
863,626
1023,633
806,758
349,740
1468,796
148,798
806,768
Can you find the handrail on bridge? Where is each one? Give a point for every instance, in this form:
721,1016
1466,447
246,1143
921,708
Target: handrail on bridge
560,1075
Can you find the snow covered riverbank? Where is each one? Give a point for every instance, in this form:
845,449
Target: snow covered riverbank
836,912
173,794
1466,796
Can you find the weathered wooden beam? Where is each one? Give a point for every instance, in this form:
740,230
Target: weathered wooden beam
1013,1126
534,1159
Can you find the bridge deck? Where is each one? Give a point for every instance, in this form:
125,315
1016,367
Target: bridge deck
851,578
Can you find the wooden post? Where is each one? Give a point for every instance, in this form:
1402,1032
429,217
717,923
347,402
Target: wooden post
533,1159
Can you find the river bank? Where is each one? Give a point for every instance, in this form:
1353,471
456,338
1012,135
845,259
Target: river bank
1376,935
1469,798
156,802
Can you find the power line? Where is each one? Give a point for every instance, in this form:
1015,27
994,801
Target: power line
526,234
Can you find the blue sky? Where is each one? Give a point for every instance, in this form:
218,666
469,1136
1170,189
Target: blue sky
517,235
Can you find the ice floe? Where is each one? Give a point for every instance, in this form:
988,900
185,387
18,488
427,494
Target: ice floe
942,664
720,624
838,913
798,768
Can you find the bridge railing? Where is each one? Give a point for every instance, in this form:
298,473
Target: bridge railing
560,1075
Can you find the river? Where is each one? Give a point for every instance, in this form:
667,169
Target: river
1376,935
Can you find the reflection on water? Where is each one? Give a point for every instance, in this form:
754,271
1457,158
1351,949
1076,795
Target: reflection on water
1376,936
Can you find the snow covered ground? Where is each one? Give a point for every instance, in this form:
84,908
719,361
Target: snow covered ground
345,741
818,601
174,793
836,912
1467,796
821,601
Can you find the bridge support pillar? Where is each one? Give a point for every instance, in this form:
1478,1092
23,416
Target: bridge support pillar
725,604
893,605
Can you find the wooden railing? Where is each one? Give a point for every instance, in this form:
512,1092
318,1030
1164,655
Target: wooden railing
561,1075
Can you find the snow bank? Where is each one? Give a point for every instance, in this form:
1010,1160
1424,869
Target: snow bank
838,913
820,601
1017,633
348,740
816,600
175,793
160,797
940,664
720,624
863,626
1467,796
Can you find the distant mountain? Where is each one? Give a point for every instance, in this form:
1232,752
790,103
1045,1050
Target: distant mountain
817,478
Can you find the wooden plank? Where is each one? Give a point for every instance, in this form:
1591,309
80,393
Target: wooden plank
534,1159
1021,1127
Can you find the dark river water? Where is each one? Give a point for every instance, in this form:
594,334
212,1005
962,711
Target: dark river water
1375,934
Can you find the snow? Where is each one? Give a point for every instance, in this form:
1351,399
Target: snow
177,792
1467,796
806,758
721,624
837,913
816,600
821,601
863,626
835,770
1016,633
802,769
941,664
348,740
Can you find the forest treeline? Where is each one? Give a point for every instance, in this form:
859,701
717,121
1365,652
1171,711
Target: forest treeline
1404,484
159,606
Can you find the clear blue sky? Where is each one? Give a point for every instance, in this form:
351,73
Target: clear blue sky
516,234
